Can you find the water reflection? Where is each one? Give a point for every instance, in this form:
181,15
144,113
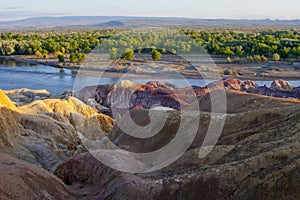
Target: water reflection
12,63
74,72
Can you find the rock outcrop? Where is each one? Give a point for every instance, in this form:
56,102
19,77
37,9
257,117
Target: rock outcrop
277,93
127,95
46,132
233,84
296,90
24,96
256,157
281,85
5,101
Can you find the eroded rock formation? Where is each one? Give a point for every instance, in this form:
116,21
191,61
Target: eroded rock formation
256,157
281,85
46,132
127,95
24,96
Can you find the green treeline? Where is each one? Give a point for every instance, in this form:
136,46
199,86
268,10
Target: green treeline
251,47
66,45
239,46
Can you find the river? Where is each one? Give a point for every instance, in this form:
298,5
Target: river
14,75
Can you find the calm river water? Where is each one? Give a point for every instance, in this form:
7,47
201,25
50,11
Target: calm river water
15,75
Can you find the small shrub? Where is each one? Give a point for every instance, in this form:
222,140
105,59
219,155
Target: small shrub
250,59
292,60
232,72
221,72
229,60
119,68
38,54
264,59
237,59
243,60
257,58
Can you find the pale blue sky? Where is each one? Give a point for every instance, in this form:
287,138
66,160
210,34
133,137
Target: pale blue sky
252,9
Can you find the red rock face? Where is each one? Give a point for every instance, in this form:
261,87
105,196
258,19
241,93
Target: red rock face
233,84
172,98
128,95
281,85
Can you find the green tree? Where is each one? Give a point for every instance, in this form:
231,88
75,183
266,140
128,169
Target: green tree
276,57
296,51
227,51
81,57
114,53
155,54
140,50
35,45
285,52
7,47
22,48
61,58
129,54
73,58
239,51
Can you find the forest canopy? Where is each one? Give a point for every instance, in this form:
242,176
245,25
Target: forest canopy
258,46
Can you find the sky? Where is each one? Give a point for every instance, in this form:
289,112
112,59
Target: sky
230,9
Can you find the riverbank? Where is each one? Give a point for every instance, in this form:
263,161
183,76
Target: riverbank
244,71
32,60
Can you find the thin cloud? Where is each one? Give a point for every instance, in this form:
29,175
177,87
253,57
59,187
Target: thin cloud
8,15
13,8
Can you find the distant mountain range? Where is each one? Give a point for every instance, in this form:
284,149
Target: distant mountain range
84,22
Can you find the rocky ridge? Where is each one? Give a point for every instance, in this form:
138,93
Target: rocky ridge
256,156
127,95
45,132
